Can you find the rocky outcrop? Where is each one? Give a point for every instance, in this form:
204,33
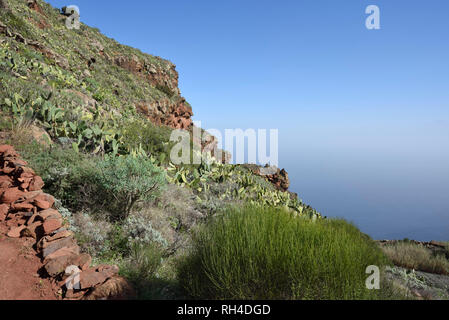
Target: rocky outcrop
172,111
164,78
174,114
33,5
28,212
279,178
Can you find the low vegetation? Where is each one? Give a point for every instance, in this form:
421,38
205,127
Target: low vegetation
417,257
129,180
210,231
267,253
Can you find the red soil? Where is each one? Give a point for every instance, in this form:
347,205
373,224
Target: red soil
19,270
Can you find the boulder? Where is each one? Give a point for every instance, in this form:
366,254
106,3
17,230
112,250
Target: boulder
49,214
75,250
11,195
56,245
94,276
48,240
36,184
44,201
59,264
42,204
52,224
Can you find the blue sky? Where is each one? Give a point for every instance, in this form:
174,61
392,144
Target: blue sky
363,115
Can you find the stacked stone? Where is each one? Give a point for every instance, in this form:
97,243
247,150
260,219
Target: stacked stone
28,212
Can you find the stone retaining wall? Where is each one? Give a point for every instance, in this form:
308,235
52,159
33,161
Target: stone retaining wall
29,212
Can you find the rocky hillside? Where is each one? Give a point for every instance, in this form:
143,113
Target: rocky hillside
90,68
84,89
93,118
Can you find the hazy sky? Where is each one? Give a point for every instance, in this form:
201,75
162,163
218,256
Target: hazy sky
363,115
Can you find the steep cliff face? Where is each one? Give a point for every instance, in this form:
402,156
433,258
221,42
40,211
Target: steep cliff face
173,111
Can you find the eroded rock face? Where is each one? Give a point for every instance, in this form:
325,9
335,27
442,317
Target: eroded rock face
279,178
172,111
163,78
28,212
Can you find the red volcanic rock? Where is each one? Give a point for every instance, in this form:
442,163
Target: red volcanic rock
94,276
50,225
5,148
174,114
31,231
22,207
161,78
42,204
44,201
15,232
30,214
49,213
49,240
59,263
36,184
5,182
58,244
74,250
279,178
4,208
11,195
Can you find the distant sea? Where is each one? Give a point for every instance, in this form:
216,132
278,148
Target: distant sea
386,202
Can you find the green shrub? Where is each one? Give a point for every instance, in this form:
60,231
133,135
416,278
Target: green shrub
153,139
139,229
68,175
129,180
255,253
143,262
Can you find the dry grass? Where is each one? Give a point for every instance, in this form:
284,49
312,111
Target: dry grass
416,257
19,134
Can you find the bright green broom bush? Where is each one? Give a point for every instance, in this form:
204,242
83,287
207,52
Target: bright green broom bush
254,253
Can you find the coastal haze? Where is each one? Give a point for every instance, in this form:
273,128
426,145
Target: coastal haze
363,115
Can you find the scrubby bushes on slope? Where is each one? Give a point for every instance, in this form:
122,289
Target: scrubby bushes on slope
129,180
254,253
